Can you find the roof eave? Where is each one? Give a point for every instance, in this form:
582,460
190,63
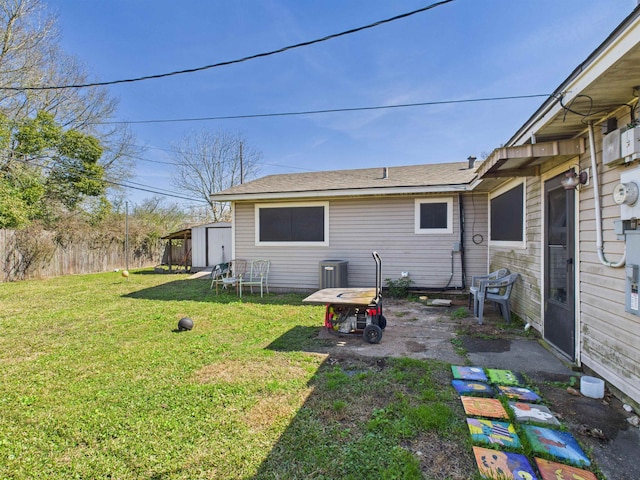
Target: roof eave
342,193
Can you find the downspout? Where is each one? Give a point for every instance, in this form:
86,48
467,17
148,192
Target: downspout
462,265
596,197
461,249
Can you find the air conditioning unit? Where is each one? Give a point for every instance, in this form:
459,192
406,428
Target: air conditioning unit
611,149
630,144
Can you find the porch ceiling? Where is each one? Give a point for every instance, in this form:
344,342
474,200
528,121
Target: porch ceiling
613,89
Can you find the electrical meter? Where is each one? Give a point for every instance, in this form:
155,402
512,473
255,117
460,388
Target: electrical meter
625,193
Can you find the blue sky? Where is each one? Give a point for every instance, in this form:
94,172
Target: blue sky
466,49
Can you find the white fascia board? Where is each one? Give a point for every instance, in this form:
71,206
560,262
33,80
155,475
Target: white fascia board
342,193
611,54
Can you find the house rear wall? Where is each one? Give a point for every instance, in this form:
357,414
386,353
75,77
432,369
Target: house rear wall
608,336
358,226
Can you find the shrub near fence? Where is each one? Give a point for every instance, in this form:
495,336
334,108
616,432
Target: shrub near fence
37,253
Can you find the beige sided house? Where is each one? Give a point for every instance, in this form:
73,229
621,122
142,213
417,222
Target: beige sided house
411,215
578,249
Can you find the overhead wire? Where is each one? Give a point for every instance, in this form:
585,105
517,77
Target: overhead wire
239,60
316,112
141,187
569,108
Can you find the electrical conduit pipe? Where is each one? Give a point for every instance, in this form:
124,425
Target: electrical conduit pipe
596,198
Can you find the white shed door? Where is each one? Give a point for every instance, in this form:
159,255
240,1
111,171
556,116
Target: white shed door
218,245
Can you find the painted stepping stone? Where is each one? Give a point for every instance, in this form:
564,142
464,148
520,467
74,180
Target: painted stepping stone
504,377
468,373
519,393
554,471
529,412
483,407
492,432
503,465
471,387
557,443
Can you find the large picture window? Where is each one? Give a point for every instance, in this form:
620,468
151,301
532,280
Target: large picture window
507,215
434,215
287,224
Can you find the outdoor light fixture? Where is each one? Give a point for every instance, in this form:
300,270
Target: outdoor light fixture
573,180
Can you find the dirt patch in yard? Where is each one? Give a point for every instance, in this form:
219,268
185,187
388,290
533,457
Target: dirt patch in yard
415,330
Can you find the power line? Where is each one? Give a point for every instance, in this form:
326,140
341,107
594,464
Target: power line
135,157
150,190
142,187
239,60
316,112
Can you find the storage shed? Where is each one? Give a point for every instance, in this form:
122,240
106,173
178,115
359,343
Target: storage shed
198,248
210,245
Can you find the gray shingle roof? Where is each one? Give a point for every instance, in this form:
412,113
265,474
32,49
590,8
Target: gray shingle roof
335,181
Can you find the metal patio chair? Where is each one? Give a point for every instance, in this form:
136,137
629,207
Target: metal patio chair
237,269
218,272
258,275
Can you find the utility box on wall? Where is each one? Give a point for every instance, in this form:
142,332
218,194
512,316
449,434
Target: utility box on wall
632,268
333,274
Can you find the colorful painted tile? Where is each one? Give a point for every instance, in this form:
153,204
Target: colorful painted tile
483,407
558,471
529,412
504,377
560,444
471,387
519,393
496,433
468,373
503,465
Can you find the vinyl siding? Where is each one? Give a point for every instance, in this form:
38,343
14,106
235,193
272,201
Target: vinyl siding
358,226
526,295
608,335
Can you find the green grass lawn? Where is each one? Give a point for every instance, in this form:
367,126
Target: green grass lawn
96,383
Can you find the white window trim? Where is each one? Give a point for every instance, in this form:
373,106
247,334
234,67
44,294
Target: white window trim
433,231
505,188
259,243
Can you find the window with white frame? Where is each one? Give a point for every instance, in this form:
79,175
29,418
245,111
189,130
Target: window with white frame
434,215
292,224
506,211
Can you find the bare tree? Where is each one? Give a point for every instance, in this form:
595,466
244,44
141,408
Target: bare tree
30,57
209,162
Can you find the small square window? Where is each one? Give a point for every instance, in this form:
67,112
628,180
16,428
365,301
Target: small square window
434,215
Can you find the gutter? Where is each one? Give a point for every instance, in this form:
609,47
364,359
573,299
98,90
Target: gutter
344,193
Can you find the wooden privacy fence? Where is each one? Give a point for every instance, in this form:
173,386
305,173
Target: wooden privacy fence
27,254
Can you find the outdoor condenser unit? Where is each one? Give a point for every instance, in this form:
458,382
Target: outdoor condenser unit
333,274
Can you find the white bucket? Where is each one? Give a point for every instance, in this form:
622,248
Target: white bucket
592,387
